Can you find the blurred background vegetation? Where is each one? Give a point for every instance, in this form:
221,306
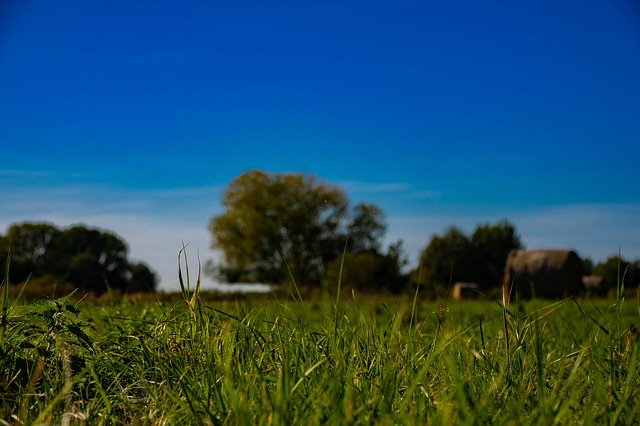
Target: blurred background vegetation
54,261
280,228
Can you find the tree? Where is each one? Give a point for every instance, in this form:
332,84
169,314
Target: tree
616,270
366,228
29,242
272,221
587,266
84,271
141,278
86,258
364,266
445,260
490,245
369,270
92,248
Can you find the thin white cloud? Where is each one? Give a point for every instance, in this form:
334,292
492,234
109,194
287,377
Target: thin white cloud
365,187
423,195
88,199
189,192
399,190
36,175
14,173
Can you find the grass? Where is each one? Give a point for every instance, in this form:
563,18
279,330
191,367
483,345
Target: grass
348,360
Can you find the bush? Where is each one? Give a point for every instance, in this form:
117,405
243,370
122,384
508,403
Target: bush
367,271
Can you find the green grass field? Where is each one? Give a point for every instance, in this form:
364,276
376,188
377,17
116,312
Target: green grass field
354,360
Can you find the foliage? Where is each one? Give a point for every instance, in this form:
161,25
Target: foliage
274,224
446,259
141,278
86,258
366,229
94,257
490,245
587,265
617,270
366,267
30,245
43,354
369,270
282,227
453,257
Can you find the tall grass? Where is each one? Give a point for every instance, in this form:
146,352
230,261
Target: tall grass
4,300
351,361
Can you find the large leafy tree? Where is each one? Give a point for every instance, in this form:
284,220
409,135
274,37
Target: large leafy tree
274,221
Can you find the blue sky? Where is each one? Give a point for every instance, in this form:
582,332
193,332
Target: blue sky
133,116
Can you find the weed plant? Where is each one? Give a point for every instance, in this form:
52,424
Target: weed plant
343,360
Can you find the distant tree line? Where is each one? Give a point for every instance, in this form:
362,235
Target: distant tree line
78,256
276,228
283,228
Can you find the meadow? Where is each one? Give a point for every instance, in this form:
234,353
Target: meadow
283,359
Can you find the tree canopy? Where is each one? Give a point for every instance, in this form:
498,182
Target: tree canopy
275,225
30,245
616,270
490,246
88,258
446,259
366,229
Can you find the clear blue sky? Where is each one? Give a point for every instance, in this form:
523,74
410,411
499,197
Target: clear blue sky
133,115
